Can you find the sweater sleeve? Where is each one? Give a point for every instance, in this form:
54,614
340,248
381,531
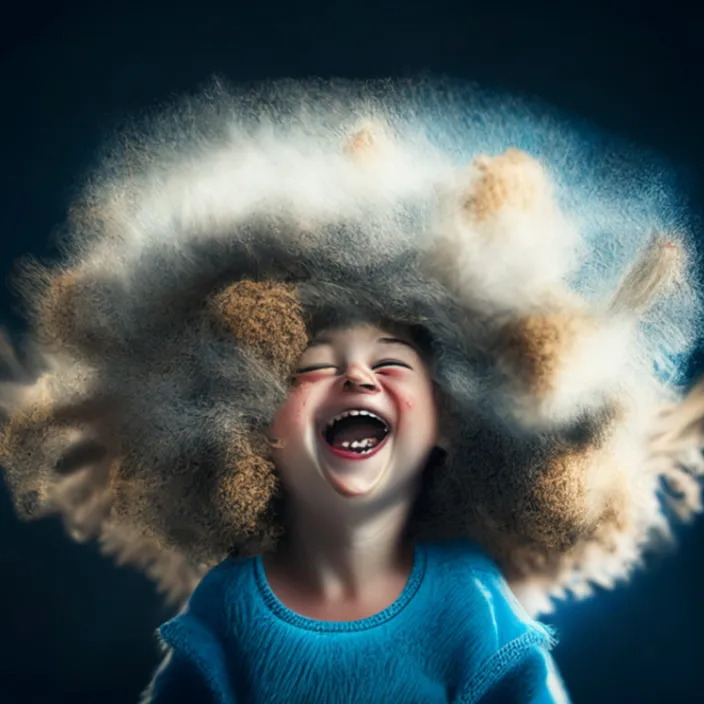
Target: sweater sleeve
532,679
197,668
177,680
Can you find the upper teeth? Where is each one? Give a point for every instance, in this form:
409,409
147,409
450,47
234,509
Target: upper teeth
345,414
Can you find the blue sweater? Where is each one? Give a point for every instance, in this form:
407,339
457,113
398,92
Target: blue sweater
455,634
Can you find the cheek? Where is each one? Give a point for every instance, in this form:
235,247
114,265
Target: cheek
416,407
291,417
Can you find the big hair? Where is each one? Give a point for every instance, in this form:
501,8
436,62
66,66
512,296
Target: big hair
550,271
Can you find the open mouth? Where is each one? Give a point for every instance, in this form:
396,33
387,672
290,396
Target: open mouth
355,433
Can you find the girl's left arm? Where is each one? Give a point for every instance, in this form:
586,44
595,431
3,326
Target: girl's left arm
535,679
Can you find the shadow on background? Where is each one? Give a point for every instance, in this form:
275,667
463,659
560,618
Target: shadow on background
76,629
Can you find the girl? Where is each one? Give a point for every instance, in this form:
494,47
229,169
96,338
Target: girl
347,609
353,347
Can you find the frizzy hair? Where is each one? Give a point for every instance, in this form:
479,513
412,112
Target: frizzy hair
556,304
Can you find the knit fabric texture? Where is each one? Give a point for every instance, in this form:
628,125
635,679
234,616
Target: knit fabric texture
455,634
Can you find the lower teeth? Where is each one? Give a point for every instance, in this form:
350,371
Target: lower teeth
359,450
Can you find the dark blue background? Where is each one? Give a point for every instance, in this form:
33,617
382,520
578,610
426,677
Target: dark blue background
75,629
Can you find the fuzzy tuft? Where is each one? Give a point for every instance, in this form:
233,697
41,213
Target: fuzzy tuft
658,272
369,144
266,318
557,365
511,181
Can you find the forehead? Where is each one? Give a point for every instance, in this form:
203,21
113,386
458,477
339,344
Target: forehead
360,334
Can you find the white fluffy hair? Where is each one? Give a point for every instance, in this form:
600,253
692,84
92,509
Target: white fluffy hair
552,267
209,166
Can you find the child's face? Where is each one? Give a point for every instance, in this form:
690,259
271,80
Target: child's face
361,370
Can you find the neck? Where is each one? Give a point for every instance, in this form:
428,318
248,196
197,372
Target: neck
346,557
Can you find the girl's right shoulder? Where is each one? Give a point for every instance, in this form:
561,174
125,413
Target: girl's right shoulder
233,576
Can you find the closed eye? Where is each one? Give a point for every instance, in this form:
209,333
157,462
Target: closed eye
318,368
378,365
391,363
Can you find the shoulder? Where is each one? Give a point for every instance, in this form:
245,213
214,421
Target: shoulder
228,576
497,646
210,604
477,596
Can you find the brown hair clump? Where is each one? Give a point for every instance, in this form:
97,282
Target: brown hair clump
534,348
510,180
266,318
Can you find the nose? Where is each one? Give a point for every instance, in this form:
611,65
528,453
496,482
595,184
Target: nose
360,379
